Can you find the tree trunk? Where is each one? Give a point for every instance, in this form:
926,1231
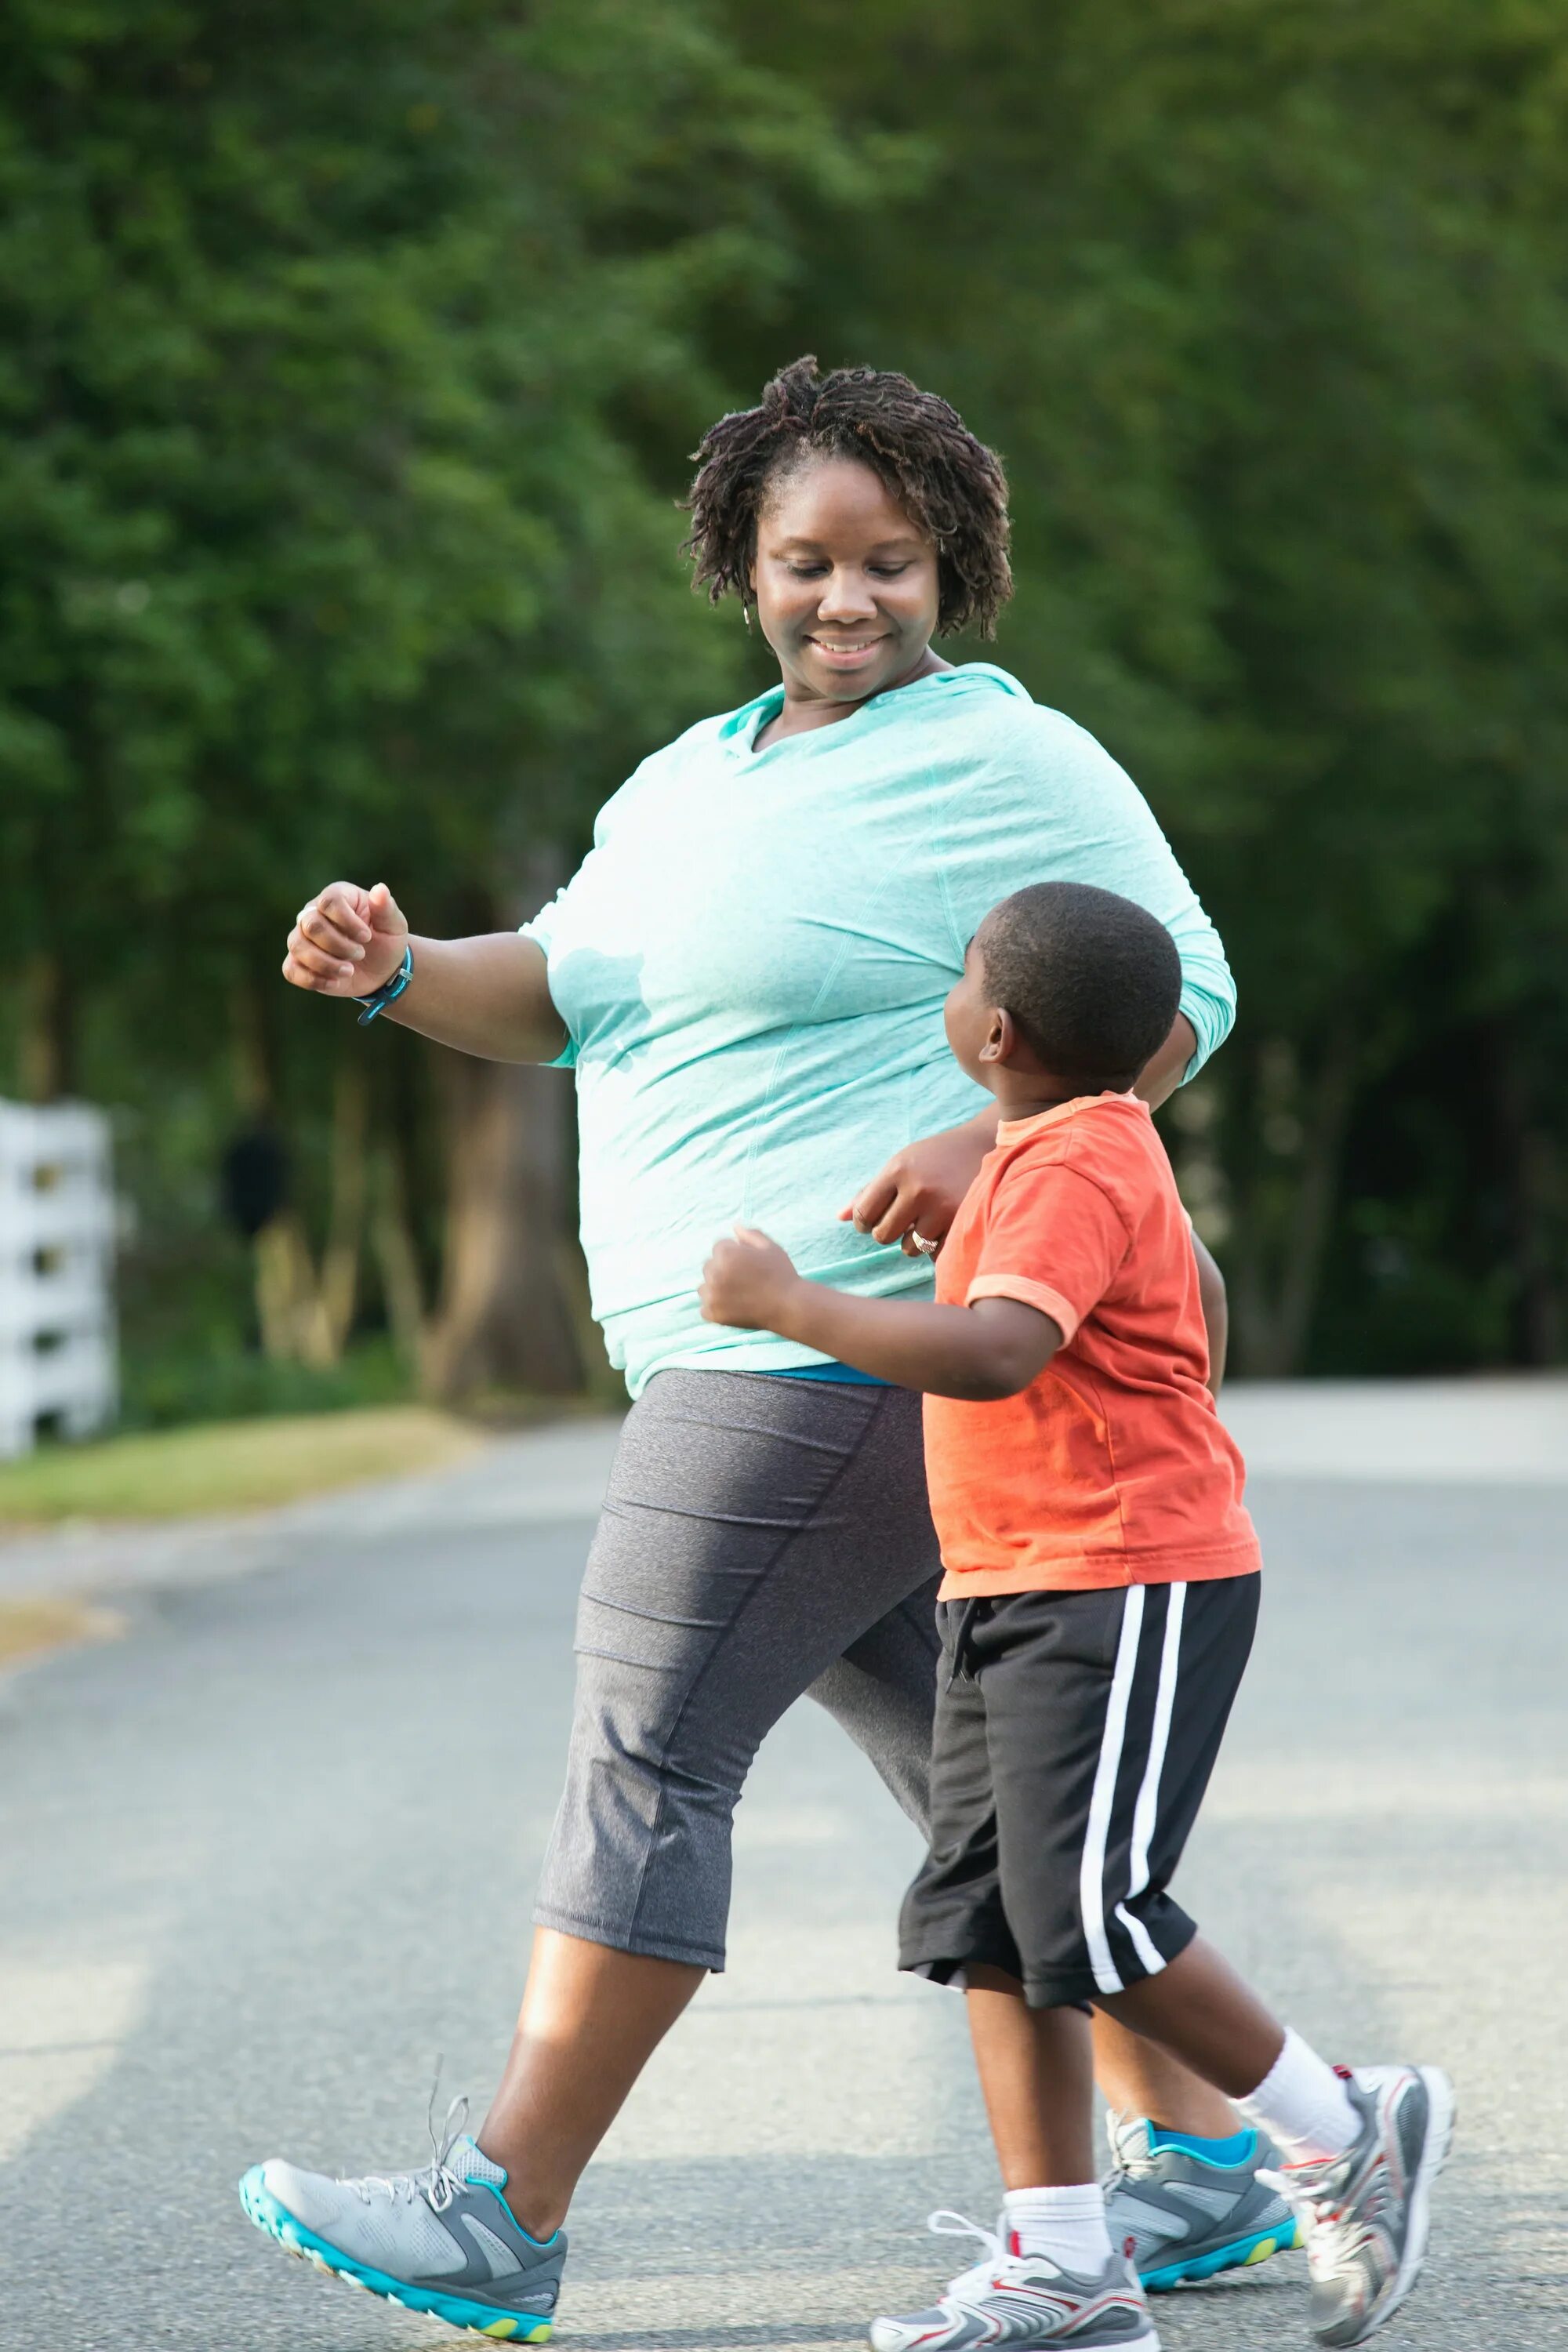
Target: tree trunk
397,1262
505,1321
506,1318
305,1313
46,1057
1278,1253
338,1288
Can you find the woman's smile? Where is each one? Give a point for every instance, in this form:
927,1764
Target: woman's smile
845,655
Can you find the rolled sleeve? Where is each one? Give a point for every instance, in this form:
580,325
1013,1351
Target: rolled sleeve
1208,1000
1027,1293
1054,1240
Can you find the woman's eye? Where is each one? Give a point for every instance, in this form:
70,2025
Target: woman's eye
888,570
806,570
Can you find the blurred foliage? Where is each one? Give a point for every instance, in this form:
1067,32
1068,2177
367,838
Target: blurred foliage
348,362
1264,301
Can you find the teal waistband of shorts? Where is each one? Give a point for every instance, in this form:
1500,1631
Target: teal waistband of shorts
845,1373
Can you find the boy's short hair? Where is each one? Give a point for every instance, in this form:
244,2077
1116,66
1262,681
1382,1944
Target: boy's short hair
1093,982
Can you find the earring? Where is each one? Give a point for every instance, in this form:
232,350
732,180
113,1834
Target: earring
746,612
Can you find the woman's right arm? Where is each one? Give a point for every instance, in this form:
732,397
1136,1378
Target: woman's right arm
489,995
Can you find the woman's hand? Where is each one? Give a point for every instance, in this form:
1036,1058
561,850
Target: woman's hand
919,1189
747,1282
347,942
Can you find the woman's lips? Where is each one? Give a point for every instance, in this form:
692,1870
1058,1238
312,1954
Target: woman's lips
846,656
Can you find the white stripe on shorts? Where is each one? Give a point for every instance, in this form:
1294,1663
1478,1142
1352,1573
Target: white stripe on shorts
1147,1810
1091,1872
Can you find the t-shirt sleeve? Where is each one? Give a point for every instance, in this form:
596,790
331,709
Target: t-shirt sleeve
541,930
1050,804
1054,1240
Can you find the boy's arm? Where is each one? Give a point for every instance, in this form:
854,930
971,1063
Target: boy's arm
1216,1313
991,1350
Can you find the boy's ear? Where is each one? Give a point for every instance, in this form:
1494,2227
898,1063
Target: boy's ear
1001,1037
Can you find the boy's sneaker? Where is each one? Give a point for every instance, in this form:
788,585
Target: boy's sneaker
1366,2213
1026,2302
1188,2217
441,2240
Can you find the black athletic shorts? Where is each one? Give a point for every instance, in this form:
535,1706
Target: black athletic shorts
1075,1737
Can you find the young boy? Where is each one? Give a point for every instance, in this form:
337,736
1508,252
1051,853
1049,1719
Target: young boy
1098,1609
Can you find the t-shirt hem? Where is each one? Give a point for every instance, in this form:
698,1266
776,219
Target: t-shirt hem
1091,1571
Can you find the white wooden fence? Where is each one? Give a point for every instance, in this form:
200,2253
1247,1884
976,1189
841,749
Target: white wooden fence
56,1260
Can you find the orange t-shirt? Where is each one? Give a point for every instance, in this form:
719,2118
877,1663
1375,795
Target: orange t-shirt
1112,1467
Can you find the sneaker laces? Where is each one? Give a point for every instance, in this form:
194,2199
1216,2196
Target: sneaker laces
440,2181
945,2223
1316,2195
1129,2161
999,2257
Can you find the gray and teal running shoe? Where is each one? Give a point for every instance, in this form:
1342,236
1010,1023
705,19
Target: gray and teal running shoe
442,2241
1026,2302
1187,2217
1366,2213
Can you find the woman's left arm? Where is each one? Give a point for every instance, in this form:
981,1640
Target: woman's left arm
1164,1074
1083,821
1052,806
918,1189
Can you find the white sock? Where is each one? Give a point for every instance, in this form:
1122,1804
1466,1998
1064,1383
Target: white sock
1303,2104
1065,2225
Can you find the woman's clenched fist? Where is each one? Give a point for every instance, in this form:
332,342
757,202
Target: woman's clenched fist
347,942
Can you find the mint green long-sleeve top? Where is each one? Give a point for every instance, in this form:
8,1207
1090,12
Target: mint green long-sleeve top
750,963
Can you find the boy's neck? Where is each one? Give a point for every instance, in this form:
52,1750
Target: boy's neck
1026,1094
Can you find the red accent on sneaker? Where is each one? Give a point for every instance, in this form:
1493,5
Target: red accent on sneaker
1129,2247
1013,2247
1344,2073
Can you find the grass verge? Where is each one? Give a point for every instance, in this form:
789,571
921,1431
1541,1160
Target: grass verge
237,1466
29,1627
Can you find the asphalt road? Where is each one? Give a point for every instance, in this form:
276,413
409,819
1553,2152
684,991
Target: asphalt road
266,1856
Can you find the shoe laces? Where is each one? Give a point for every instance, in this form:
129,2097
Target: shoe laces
440,2181
1317,2195
1129,2159
999,2259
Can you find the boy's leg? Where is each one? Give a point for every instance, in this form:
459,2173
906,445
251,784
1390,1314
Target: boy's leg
1197,2006
1362,2150
1036,2068
1141,2080
1100,1713
1050,2278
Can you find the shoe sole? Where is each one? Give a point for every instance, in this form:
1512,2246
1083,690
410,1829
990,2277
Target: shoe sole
1146,2343
1440,2111
474,2318
1241,2253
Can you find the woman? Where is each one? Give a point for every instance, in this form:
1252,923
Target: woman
748,972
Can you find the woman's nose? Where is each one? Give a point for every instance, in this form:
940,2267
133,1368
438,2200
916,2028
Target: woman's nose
847,596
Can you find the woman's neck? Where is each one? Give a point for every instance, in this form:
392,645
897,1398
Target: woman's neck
803,711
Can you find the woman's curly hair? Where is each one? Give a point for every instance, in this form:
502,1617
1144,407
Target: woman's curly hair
946,481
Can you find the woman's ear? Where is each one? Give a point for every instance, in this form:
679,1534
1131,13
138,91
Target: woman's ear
1001,1037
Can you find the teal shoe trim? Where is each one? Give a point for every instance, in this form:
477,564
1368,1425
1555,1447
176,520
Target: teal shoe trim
1239,2255
1230,2155
479,2318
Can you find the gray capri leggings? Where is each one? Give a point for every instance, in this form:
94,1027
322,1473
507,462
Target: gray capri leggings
761,1539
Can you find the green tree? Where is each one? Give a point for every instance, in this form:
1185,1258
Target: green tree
1263,304
328,541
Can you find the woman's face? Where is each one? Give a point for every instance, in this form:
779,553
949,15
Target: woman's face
845,584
